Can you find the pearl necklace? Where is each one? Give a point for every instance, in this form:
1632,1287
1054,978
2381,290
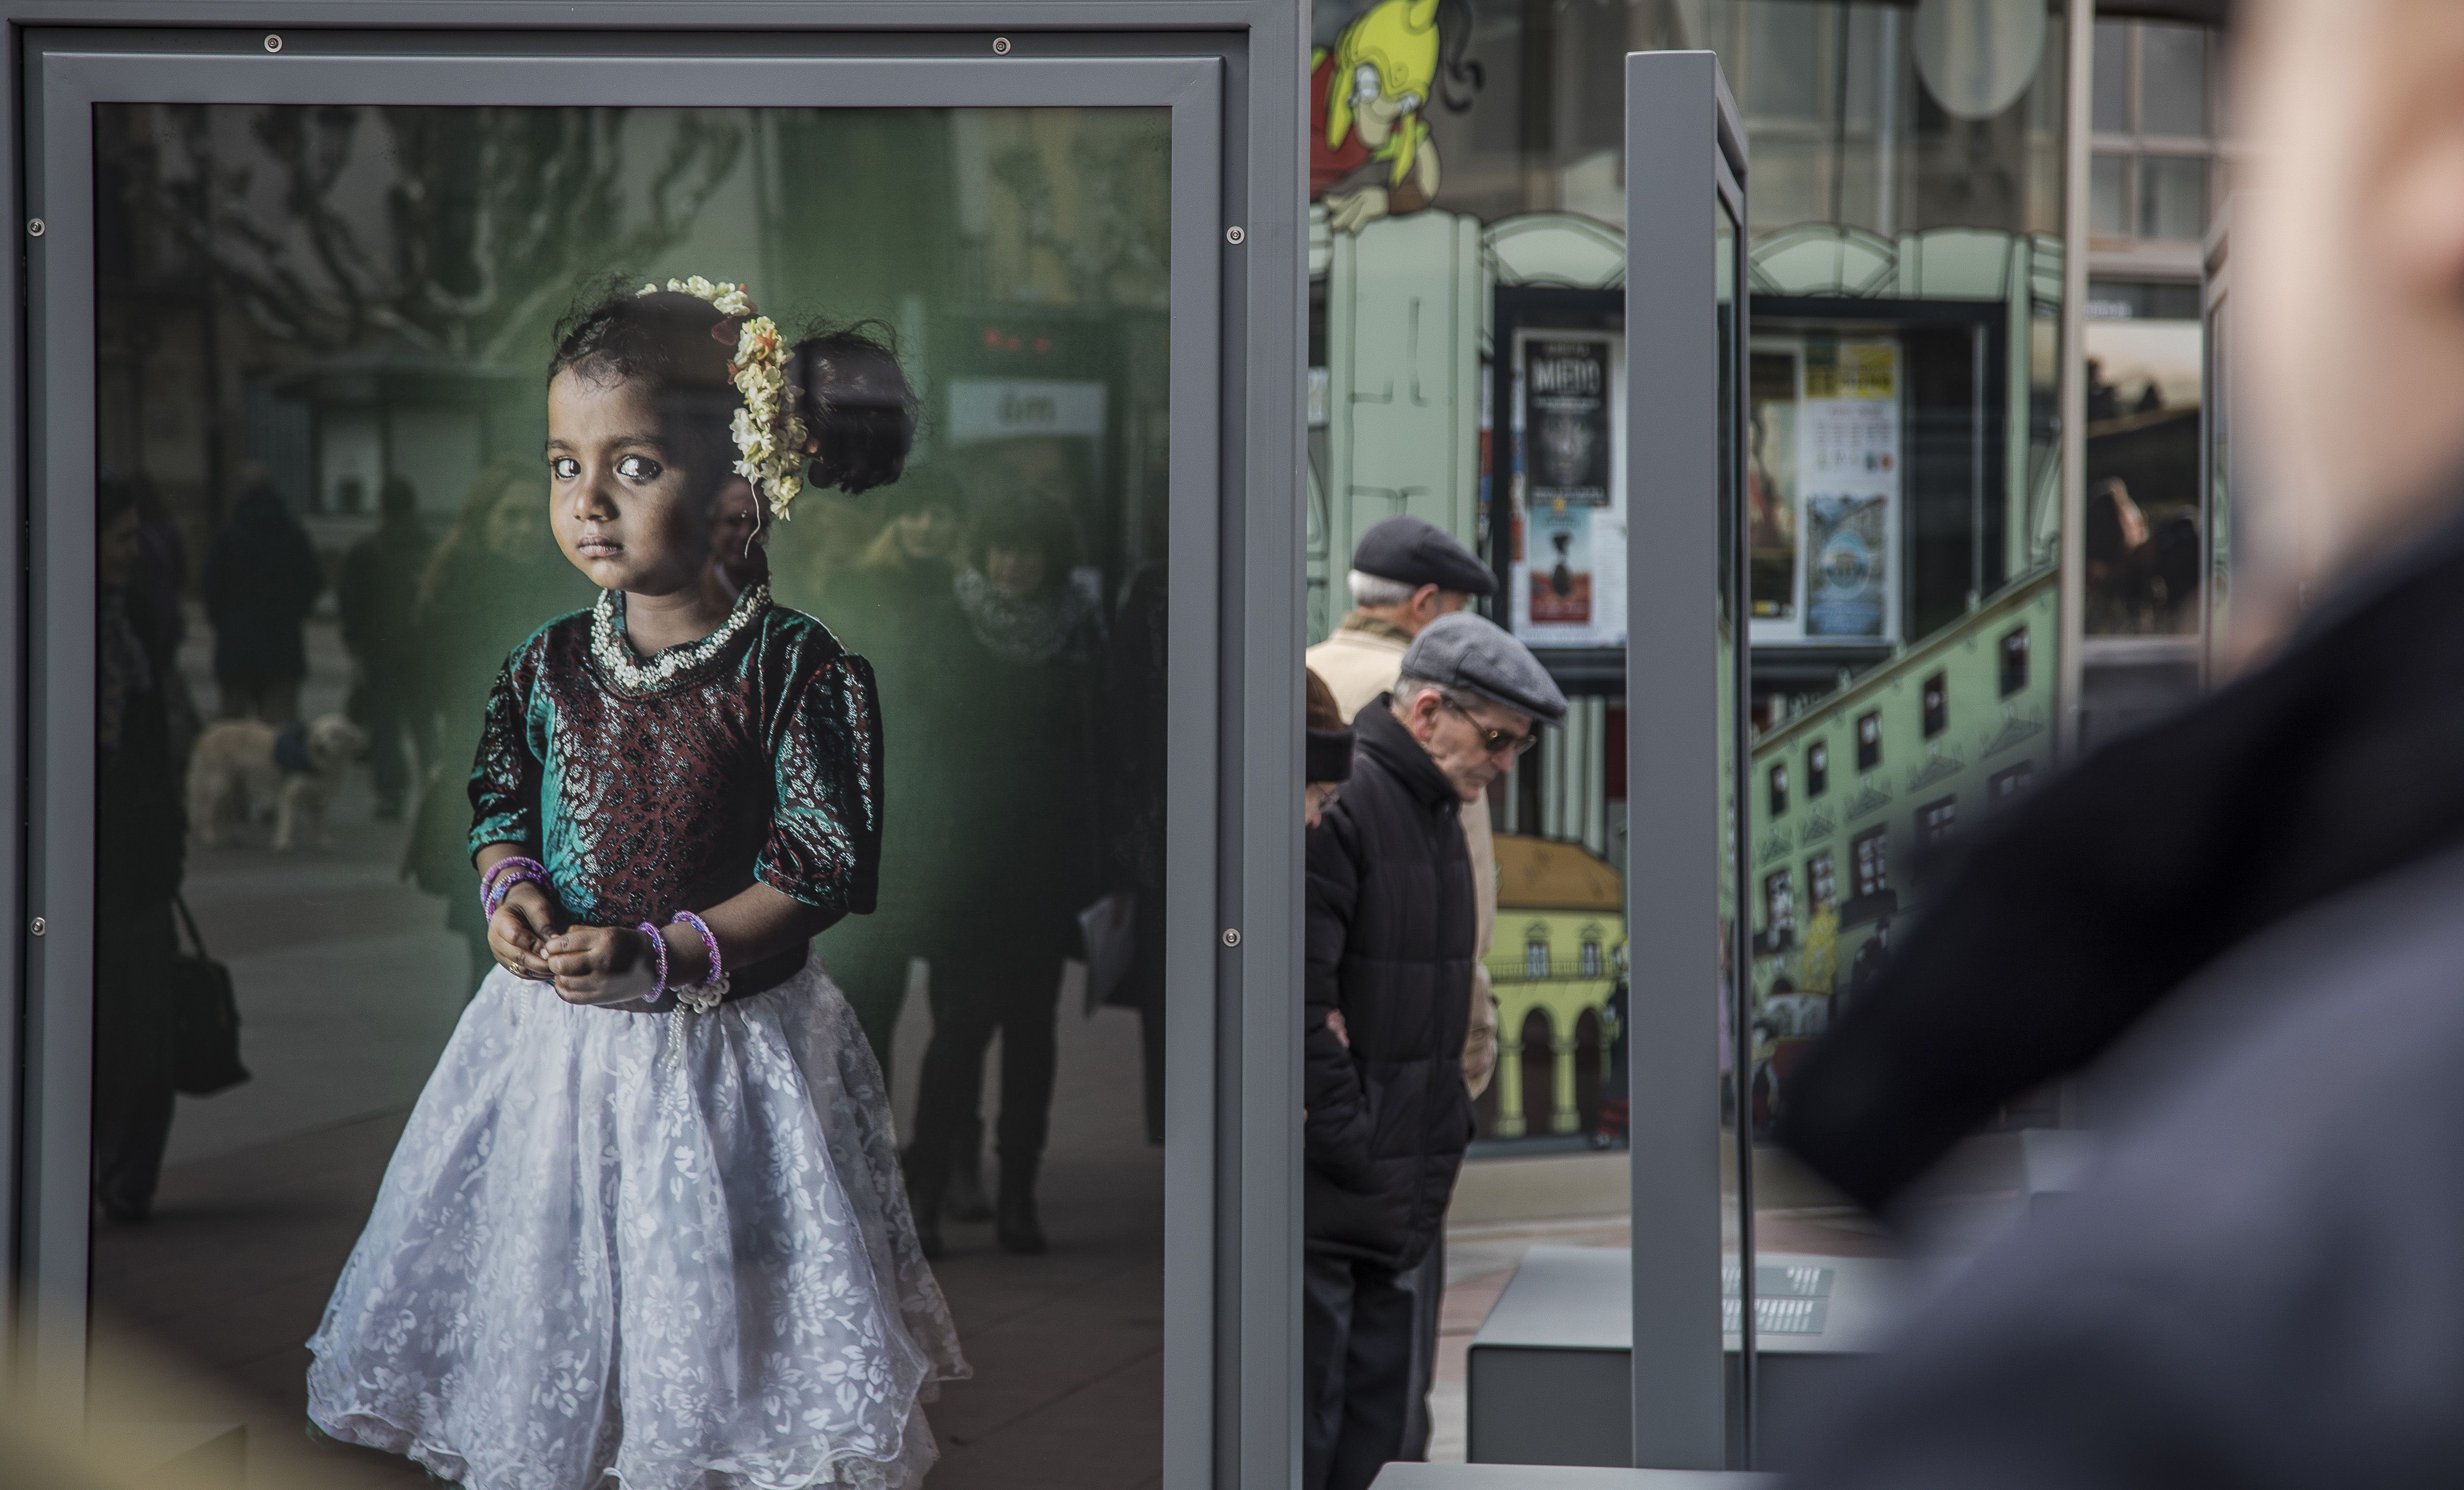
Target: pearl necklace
635,676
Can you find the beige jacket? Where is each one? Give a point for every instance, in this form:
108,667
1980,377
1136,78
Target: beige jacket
1361,660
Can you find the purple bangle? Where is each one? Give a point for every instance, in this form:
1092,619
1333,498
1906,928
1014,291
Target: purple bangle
709,944
659,952
492,897
488,880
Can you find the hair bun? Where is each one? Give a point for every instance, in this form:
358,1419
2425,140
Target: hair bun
857,407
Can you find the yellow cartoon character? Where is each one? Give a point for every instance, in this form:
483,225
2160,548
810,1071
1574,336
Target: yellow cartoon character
1365,93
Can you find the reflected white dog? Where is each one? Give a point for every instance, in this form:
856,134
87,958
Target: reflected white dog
245,769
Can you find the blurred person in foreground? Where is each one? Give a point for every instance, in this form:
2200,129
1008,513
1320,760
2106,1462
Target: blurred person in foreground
2248,913
378,591
1406,572
1391,932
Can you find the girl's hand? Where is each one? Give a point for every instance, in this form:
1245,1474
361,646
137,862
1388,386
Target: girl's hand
601,965
525,920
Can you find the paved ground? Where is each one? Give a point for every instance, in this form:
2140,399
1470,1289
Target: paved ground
348,987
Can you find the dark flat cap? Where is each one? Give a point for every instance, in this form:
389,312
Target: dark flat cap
1417,552
1471,653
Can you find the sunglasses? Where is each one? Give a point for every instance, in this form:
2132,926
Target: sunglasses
1493,740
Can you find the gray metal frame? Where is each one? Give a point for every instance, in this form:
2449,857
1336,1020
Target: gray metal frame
1231,72
1685,162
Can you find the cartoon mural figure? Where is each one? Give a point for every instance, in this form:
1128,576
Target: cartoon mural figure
1366,94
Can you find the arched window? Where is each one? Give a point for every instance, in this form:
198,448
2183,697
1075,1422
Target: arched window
1539,1059
1591,1069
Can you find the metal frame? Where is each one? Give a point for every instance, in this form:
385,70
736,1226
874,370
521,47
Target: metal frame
1231,72
1686,162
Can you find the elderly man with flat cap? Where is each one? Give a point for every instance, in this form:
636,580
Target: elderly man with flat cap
1391,950
1407,573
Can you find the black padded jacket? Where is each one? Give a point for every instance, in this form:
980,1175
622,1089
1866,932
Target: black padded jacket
1391,938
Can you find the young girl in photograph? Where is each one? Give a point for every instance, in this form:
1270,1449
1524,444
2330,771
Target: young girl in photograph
646,1225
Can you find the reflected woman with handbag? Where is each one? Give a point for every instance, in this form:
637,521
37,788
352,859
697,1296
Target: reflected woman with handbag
140,850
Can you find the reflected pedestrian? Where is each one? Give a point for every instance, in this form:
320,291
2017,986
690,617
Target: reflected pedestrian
493,579
377,595
140,851
1392,929
1024,800
261,580
899,607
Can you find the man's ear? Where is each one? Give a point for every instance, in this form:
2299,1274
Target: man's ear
1424,602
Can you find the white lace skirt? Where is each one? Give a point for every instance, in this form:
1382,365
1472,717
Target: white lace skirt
672,1250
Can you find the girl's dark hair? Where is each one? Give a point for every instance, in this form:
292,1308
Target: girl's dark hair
855,399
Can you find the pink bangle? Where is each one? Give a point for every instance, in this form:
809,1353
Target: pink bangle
659,952
709,944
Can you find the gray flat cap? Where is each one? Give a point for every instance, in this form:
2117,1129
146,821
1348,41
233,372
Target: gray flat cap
1471,653
1417,552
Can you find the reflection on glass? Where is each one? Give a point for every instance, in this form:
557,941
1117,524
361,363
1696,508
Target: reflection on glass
324,336
2172,197
2108,196
2111,110
2172,80
2143,546
1741,1097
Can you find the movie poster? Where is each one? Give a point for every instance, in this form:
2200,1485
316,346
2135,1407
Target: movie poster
1569,580
1848,470
1566,410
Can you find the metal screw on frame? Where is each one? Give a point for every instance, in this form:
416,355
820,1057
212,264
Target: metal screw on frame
1233,237
1001,46
272,43
40,927
1231,936
34,227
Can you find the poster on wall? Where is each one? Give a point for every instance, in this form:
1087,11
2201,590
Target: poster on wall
1772,515
1848,470
1567,579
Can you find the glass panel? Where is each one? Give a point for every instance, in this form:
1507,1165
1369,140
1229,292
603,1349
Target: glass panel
2174,197
1739,1103
2220,477
335,553
2111,111
2108,196
2172,80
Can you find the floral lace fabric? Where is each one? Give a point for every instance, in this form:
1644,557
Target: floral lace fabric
687,1268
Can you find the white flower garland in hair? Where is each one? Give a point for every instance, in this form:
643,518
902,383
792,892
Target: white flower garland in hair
769,432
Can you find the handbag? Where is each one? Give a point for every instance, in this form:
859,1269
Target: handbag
205,1018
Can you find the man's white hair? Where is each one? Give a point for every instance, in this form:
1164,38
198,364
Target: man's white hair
1407,688
1371,591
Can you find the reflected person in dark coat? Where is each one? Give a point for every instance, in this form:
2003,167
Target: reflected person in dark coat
140,850
1020,784
261,580
1392,935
